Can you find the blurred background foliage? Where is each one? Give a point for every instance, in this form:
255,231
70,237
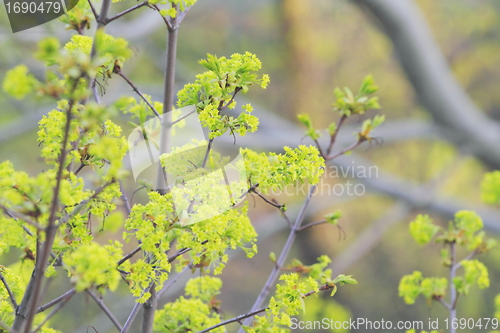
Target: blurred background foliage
308,48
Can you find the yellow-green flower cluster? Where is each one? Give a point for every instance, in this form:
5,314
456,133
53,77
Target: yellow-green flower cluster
94,265
214,90
279,170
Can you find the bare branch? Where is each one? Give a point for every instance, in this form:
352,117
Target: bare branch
347,149
104,308
312,224
126,201
11,295
131,9
207,153
138,93
334,136
235,319
171,282
253,313
128,256
23,218
66,298
135,311
56,300
96,16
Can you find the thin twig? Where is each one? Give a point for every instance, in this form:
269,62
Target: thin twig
126,201
207,153
96,16
55,301
77,171
101,21
167,22
231,100
55,310
265,199
131,317
106,310
171,282
274,204
312,224
345,150
138,93
11,295
135,311
281,260
128,256
235,319
79,207
334,136
181,17
443,302
131,9
182,118
320,149
182,251
469,257
253,313
23,218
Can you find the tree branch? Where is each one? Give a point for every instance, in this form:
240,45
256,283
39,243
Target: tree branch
23,218
235,319
168,102
333,138
51,229
56,309
11,295
429,73
50,304
131,9
128,256
345,150
282,258
171,282
105,309
126,201
138,92
96,16
253,313
312,224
